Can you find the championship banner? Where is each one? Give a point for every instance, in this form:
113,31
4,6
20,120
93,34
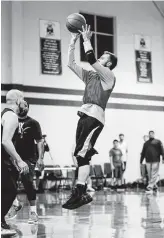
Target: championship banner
143,58
50,47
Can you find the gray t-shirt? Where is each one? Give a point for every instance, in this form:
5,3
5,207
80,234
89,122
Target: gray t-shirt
116,154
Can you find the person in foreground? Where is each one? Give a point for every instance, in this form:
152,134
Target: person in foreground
98,87
29,135
11,162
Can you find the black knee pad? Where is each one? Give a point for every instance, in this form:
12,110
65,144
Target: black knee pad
83,161
30,190
31,194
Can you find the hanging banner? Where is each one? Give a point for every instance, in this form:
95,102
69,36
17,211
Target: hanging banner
143,58
50,47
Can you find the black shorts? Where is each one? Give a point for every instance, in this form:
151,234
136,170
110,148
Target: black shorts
88,130
29,176
27,180
9,177
118,172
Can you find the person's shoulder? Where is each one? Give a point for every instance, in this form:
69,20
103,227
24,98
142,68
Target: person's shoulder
147,142
34,121
157,141
31,121
10,115
111,72
112,75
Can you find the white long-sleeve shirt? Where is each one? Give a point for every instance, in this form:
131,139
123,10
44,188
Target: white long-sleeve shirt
124,148
103,74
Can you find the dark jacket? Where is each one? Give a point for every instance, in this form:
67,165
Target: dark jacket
152,149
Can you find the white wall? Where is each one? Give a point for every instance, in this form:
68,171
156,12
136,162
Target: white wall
6,42
59,123
60,126
131,17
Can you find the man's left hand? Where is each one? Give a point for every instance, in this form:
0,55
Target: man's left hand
86,33
40,164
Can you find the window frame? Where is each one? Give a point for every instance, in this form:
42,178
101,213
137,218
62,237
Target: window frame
101,33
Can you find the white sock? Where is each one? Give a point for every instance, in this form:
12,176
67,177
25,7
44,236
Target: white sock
16,202
33,208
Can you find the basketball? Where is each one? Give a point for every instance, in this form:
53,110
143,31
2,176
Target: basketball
75,22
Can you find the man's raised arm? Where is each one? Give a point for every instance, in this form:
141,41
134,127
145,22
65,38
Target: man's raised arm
107,76
78,70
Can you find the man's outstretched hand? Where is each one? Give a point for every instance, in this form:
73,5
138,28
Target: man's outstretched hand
86,32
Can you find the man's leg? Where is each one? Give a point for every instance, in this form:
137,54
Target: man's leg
113,181
88,130
84,154
121,175
154,176
148,167
8,194
117,176
123,171
27,181
75,178
37,180
89,185
149,172
92,128
15,208
83,174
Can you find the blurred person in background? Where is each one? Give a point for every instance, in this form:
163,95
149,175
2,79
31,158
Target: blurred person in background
143,170
152,151
124,148
117,163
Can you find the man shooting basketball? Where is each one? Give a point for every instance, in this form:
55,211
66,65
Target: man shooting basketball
98,87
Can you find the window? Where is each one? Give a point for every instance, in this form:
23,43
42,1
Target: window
103,34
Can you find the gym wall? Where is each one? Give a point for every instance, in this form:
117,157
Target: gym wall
135,107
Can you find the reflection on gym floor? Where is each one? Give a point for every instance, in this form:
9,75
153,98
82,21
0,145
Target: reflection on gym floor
131,214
